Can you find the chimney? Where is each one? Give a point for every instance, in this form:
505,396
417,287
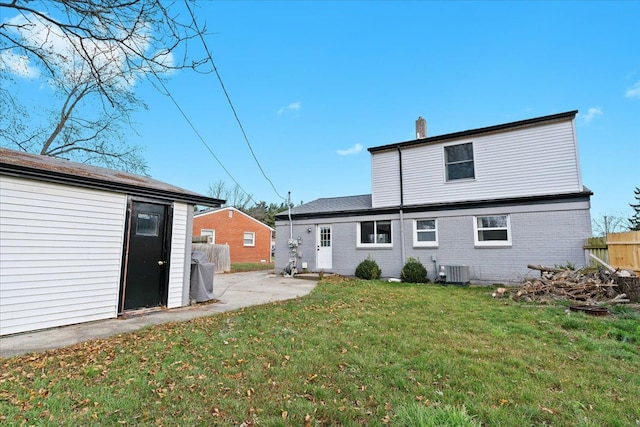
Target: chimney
421,128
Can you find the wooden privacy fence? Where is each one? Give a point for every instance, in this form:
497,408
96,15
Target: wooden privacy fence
219,255
624,250
596,246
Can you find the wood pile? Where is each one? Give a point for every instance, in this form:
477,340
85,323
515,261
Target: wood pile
587,287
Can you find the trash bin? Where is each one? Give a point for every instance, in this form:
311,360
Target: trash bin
201,287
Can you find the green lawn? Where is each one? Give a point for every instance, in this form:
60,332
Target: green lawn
351,353
238,267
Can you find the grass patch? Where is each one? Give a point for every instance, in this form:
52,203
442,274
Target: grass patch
351,353
239,267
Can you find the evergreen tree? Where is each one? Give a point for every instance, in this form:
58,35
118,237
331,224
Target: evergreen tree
634,221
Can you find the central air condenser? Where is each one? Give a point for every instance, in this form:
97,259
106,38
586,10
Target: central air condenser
457,274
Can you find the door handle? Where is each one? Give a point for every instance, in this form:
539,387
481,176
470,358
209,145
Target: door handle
162,262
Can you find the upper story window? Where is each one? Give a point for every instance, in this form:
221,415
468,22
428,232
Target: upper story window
249,238
425,232
374,234
492,230
458,161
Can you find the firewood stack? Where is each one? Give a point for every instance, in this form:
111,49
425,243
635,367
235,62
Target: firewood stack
587,287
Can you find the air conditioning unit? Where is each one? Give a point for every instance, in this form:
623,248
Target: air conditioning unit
457,274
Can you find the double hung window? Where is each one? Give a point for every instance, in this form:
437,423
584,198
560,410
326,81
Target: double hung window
249,238
492,230
425,232
458,161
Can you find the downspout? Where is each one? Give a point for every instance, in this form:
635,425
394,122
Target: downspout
402,253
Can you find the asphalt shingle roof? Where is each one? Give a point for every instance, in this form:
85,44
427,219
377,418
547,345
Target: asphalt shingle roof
46,168
331,204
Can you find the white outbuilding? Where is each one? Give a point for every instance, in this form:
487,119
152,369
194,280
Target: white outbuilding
80,243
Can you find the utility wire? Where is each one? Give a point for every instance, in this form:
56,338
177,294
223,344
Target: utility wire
224,89
200,136
184,115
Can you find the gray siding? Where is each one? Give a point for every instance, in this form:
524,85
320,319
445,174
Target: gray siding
531,161
541,234
385,179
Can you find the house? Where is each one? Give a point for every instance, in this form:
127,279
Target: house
249,240
80,243
481,203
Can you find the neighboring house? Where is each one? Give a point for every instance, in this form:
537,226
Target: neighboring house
491,200
80,243
249,240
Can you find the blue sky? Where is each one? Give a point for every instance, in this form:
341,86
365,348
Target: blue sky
317,83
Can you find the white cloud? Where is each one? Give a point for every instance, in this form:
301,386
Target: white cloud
294,106
349,151
61,52
591,114
634,91
18,65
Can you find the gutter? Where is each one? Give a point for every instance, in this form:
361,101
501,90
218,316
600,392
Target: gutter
444,206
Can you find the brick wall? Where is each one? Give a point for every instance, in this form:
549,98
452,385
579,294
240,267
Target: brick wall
548,234
230,225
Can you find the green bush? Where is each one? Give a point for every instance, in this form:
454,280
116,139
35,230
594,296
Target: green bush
414,272
368,270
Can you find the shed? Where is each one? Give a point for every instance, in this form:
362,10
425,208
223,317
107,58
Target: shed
80,243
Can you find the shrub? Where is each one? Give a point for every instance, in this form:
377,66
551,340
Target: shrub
368,270
414,272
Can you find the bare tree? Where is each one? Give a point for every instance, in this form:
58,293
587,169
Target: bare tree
234,196
217,190
92,54
608,223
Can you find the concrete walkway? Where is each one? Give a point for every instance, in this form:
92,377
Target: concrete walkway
233,291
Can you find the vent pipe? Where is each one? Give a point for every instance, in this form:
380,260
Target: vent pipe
421,128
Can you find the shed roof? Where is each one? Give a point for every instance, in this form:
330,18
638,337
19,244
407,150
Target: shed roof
569,115
51,169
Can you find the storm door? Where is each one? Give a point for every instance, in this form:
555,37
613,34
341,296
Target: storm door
146,265
324,253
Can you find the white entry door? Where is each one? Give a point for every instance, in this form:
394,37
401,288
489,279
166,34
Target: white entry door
324,255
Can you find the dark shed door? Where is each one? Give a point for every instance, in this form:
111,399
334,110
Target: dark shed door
146,279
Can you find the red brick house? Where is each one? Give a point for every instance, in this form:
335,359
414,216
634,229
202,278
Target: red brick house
249,240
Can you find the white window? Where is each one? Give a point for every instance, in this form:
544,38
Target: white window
425,232
374,234
249,238
211,234
492,230
458,162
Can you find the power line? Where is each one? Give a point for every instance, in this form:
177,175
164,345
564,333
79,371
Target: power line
198,134
184,115
224,89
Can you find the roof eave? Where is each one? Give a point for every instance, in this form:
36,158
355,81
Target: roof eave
513,201
473,132
89,182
